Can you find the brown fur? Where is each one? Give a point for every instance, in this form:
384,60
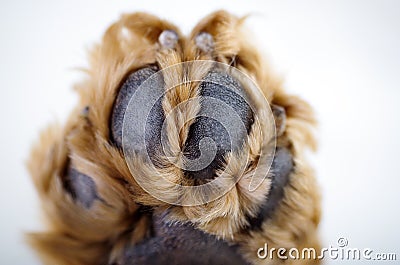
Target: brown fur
77,235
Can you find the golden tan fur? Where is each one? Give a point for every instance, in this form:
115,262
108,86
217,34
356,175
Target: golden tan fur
76,235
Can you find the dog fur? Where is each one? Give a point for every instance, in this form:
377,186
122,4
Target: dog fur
97,231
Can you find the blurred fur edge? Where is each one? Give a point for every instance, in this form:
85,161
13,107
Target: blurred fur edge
97,235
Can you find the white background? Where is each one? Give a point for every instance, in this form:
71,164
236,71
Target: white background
341,56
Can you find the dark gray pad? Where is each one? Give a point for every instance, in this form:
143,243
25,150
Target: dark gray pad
180,244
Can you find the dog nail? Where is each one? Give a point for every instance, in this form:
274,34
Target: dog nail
205,42
168,39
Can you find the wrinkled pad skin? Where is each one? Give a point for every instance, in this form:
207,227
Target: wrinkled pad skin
180,244
281,168
227,90
155,118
